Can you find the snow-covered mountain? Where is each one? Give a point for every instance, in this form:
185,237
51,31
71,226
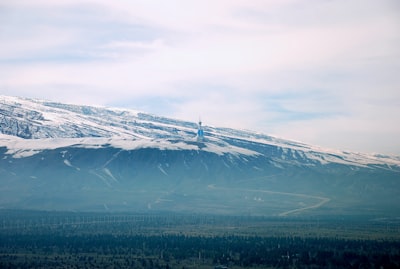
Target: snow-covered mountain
70,157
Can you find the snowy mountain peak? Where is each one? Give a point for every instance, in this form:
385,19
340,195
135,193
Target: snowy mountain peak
56,156
55,124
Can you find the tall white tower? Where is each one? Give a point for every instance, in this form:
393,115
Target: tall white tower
200,132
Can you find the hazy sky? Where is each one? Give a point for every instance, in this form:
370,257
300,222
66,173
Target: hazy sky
325,72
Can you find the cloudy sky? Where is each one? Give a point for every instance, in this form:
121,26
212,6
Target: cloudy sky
324,72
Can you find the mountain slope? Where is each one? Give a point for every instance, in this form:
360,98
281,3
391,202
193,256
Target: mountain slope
67,157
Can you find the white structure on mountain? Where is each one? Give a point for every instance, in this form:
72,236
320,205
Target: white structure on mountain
200,132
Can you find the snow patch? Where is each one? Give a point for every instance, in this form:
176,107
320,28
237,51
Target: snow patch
67,163
162,170
20,148
108,173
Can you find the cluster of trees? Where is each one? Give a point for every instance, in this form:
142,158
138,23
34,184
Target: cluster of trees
57,250
30,239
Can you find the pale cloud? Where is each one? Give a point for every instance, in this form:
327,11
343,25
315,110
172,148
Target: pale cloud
319,71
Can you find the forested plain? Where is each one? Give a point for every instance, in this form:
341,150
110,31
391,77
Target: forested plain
97,240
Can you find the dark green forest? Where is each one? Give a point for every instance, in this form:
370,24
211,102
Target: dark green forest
58,240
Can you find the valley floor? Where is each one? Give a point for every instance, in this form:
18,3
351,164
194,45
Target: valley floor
97,240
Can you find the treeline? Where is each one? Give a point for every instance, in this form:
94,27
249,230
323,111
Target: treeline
57,250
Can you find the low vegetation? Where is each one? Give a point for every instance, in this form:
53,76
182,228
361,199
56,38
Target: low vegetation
72,240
